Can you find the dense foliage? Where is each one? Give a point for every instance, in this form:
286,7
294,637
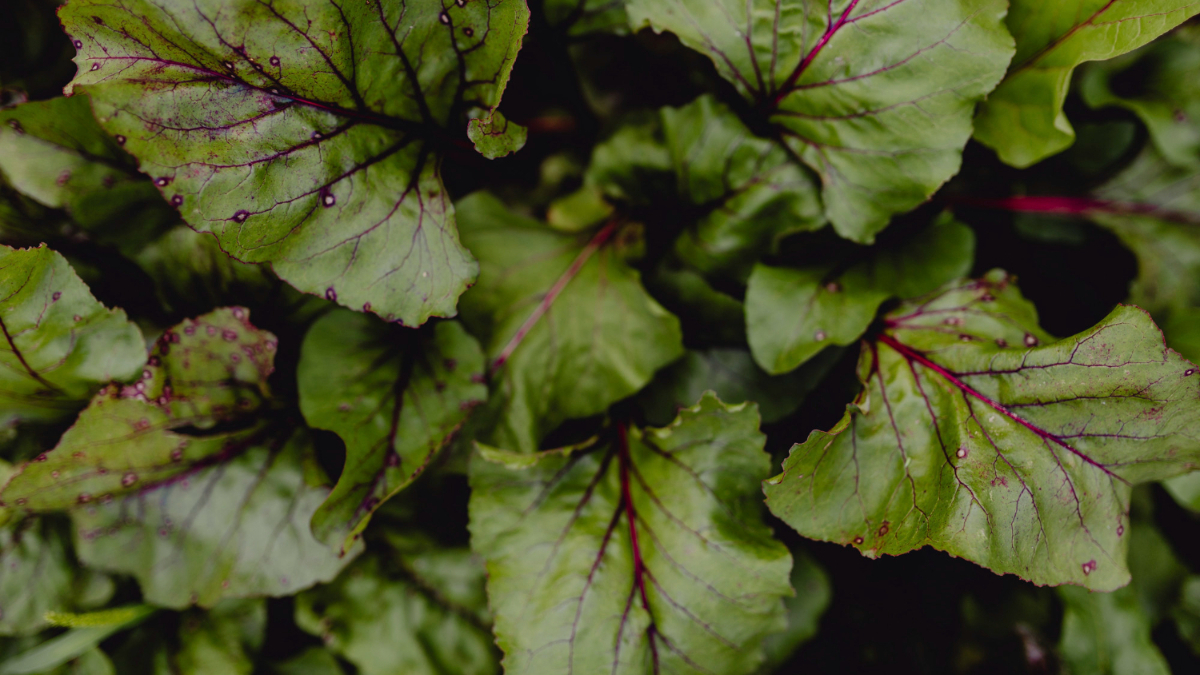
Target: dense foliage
599,336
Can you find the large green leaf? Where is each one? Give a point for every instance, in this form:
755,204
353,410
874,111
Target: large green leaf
749,191
60,344
566,324
394,398
1023,120
188,479
876,96
304,133
427,618
794,313
980,436
644,554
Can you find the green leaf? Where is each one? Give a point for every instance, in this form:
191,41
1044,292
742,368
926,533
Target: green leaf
394,398
632,165
876,96
1023,120
749,190
558,314
813,595
38,575
734,377
792,314
303,133
1168,102
1185,490
187,480
1187,614
582,17
718,318
61,345
387,622
644,554
1107,634
70,645
223,639
979,436
495,136
312,661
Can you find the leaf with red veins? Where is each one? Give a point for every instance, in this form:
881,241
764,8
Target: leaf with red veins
395,396
188,479
979,435
557,313
876,96
644,555
59,345
306,133
1023,120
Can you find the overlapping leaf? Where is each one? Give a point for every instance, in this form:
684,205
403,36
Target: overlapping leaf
185,479
304,133
978,435
60,344
582,17
793,313
646,555
559,316
1023,120
37,575
429,619
395,399
876,96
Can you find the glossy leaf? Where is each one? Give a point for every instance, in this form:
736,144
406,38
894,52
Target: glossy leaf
395,399
60,344
186,480
750,191
305,134
980,436
735,378
557,314
1023,120
645,554
794,313
876,96
408,622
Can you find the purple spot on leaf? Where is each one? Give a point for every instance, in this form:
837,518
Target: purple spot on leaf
468,31
444,18
241,216
275,61
1120,530
78,44
883,529
95,66
1089,566
78,318
55,296
1002,342
129,479
120,139
1189,372
327,198
16,126
1030,340
330,294
162,181
819,336
177,200
229,334
858,541
84,498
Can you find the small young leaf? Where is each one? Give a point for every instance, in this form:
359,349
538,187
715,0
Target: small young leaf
979,436
1023,120
792,314
495,136
305,133
647,554
406,623
876,96
558,315
395,399
60,344
1107,634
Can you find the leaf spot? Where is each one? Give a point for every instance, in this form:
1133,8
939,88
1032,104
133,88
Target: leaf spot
330,294
84,498
468,31
55,296
78,44
78,318
177,200
241,216
120,139
366,306
1120,530
883,529
819,336
95,66
275,61
16,126
327,198
953,321
444,18
1001,342
1030,340
858,541
229,334
1089,566
129,479
962,452
1189,372
162,181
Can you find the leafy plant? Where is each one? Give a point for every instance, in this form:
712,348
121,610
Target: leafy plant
599,336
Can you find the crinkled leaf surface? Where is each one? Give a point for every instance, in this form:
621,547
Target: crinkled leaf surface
37,575
735,378
749,191
394,397
495,136
185,479
644,555
388,621
557,314
305,133
60,344
1023,120
794,313
1107,634
876,96
1168,101
978,435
